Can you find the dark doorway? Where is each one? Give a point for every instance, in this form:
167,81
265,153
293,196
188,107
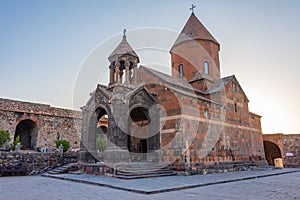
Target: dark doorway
143,146
28,132
272,151
138,130
102,122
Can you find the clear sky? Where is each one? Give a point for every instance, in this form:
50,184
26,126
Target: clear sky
44,44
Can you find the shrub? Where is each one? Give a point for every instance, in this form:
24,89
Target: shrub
16,141
4,137
101,143
64,143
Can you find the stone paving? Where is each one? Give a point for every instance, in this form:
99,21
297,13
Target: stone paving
284,186
172,183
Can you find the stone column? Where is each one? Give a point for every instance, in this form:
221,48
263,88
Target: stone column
117,65
134,74
127,65
111,77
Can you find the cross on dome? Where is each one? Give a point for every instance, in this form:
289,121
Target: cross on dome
192,8
124,33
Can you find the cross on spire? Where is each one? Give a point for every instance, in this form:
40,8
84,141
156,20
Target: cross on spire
192,8
124,33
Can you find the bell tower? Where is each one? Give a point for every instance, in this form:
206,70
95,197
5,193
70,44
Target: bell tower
195,53
123,64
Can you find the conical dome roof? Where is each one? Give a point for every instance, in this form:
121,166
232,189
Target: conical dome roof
123,48
194,30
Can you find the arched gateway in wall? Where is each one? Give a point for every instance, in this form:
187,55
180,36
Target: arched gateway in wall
27,130
272,152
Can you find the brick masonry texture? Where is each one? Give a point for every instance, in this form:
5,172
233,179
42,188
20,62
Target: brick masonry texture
240,138
289,145
17,163
50,122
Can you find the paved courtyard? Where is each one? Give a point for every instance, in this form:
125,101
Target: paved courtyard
284,186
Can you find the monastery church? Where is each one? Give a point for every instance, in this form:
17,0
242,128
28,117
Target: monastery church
192,116
193,119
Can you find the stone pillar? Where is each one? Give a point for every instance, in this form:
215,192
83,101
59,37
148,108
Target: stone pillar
111,77
134,74
134,69
117,65
127,65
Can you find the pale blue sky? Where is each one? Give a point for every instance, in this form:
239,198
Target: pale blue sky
44,43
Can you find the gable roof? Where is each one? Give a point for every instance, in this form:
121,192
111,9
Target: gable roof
122,49
172,80
138,89
179,85
193,30
104,90
223,83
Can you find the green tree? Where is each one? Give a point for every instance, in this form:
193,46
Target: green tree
64,143
16,141
4,137
101,143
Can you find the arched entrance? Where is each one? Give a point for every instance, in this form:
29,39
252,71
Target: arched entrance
272,152
138,128
102,126
97,127
28,132
102,122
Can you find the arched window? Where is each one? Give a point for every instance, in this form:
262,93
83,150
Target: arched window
235,107
206,113
180,69
206,67
233,86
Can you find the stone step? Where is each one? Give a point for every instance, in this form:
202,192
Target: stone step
133,169
144,172
62,169
144,176
141,166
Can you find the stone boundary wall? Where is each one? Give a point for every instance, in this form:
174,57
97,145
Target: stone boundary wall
50,123
289,145
18,163
37,108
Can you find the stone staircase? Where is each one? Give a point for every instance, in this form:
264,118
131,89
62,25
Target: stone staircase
130,171
64,169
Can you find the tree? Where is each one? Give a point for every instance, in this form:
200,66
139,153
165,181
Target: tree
64,143
17,140
101,144
4,137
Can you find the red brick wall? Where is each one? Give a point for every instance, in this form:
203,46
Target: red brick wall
193,54
239,138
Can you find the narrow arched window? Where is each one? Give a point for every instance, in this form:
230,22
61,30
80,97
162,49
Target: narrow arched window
234,86
206,113
180,69
206,67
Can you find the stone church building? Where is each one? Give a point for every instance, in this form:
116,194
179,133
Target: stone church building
191,116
